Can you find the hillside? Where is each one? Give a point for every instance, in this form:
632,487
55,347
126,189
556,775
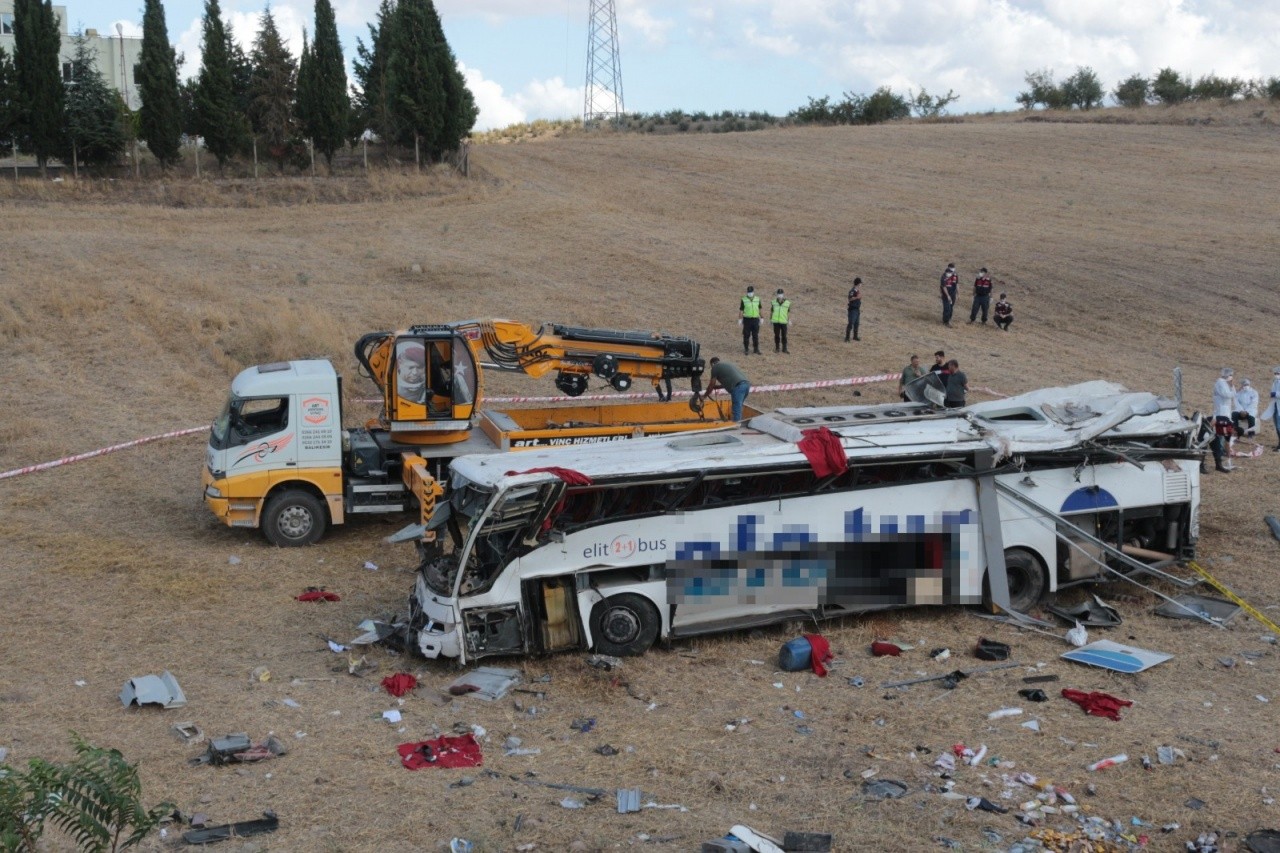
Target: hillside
1126,249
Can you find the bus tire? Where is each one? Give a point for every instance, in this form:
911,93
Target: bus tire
293,518
625,624
1028,580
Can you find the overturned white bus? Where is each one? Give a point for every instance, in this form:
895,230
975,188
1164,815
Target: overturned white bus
888,506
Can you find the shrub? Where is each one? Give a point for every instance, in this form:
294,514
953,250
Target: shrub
1212,87
815,112
95,799
1133,92
683,125
883,105
1170,87
1271,88
1082,89
925,105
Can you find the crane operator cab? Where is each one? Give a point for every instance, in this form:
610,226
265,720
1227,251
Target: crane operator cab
434,386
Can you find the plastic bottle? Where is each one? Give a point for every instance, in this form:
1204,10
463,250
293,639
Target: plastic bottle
1109,762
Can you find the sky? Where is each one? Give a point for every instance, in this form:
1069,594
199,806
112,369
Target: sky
527,59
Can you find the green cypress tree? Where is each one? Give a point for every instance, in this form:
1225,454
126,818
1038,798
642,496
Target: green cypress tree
373,107
94,128
241,77
303,105
37,42
217,119
272,91
329,106
460,110
160,119
415,87
8,104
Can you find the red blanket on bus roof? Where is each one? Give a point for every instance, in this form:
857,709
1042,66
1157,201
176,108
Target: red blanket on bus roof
570,476
824,451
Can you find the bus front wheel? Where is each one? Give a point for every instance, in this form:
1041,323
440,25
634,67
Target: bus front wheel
625,624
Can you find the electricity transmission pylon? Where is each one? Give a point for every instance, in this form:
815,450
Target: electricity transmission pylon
603,98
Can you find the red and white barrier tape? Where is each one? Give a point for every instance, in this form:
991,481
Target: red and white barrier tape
786,386
67,460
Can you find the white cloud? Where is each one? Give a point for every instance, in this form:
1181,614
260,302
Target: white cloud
779,45
130,29
634,14
539,99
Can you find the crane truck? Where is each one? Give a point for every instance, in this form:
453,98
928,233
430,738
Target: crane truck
280,459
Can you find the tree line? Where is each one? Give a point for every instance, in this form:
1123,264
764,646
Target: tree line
1084,90
408,90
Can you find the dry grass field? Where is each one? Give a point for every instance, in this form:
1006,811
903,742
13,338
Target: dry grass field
1126,248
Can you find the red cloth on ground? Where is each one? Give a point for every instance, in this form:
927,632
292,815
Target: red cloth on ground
318,595
821,653
400,683
1098,704
880,649
824,451
570,476
446,750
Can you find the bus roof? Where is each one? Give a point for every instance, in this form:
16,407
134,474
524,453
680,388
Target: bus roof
1051,419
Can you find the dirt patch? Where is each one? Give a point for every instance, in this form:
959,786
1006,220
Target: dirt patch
1126,250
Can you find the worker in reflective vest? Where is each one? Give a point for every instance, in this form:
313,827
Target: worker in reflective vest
781,311
749,312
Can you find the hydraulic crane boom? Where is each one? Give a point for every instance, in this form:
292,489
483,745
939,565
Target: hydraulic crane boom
431,375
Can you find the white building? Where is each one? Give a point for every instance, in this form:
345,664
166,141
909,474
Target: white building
117,55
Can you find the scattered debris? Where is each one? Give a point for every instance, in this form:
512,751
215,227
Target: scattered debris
391,716
373,567
444,751
187,731
1202,607
1092,614
880,649
571,803
991,650
1034,695
1274,524
1033,725
606,662
245,828
810,651
261,674
986,805
239,749
606,750
628,800
1004,712
1263,841
1039,679
940,654
1077,636
807,842
317,593
884,789
1169,754
399,684
1195,804
374,632
162,690
583,724
954,676
1096,703
1108,762
489,683
1116,656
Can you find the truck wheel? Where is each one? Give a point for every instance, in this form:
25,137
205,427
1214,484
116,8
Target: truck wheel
1028,581
293,518
625,624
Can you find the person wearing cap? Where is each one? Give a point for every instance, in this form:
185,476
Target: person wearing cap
749,317
1245,417
411,373
727,375
948,287
1004,312
1224,398
981,296
1273,407
855,310
780,313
